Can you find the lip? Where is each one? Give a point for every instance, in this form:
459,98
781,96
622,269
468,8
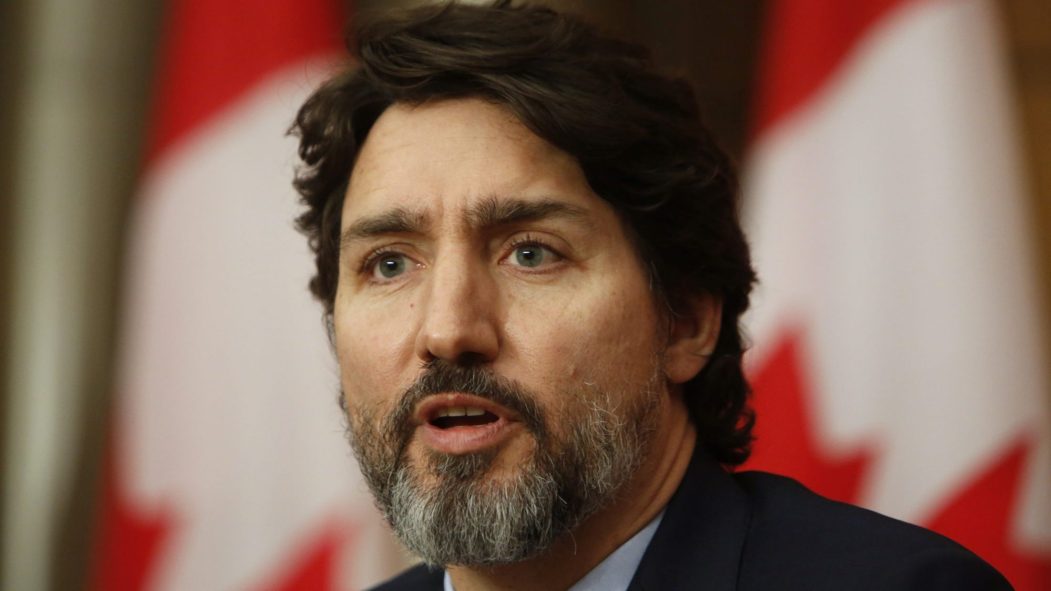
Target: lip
464,439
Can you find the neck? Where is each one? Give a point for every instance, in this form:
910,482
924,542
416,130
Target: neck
575,554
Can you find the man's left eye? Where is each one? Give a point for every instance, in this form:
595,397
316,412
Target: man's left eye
532,256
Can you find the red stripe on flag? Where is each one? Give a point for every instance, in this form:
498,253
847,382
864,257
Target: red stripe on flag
128,542
215,51
805,42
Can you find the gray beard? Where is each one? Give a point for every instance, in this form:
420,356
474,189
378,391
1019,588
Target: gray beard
449,511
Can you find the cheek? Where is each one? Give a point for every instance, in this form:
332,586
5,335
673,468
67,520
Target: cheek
373,347
589,338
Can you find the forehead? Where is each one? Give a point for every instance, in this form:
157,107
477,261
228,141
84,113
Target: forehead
448,156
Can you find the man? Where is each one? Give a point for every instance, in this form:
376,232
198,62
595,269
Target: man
528,251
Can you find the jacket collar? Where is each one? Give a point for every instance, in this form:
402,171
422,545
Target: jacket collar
701,538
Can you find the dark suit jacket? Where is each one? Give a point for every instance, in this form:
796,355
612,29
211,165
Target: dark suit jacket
753,531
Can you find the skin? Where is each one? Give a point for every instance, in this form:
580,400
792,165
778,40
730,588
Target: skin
460,291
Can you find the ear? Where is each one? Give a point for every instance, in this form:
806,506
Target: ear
692,336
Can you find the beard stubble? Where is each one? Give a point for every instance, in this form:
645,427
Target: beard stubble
450,510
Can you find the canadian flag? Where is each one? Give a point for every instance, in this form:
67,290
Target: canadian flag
227,466
898,360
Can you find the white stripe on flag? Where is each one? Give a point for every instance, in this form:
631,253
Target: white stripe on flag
887,220
229,414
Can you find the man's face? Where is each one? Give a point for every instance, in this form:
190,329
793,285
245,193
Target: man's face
498,341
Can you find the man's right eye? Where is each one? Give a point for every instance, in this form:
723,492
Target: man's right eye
389,266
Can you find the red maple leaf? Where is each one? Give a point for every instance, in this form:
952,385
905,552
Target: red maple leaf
981,518
128,541
129,544
315,568
785,441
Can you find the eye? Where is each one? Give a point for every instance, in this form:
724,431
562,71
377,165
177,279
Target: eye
389,265
532,255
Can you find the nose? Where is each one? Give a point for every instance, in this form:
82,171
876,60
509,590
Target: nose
459,316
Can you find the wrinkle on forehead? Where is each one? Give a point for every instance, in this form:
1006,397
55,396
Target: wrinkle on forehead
463,163
474,124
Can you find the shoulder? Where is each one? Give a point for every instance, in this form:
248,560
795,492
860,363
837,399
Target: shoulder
417,578
798,536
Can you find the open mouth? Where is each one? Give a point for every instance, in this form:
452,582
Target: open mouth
460,423
450,418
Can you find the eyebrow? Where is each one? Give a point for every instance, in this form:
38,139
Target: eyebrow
492,212
488,213
395,221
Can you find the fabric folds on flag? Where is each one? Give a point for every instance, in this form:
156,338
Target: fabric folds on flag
898,358
227,466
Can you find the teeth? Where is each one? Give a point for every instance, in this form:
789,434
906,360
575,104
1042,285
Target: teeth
460,411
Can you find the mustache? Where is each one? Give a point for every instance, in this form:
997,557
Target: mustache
441,376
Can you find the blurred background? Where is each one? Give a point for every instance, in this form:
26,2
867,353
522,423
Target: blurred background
165,377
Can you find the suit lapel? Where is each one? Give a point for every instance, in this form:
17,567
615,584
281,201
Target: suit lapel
699,542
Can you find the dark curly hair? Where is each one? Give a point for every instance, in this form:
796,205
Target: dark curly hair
635,132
